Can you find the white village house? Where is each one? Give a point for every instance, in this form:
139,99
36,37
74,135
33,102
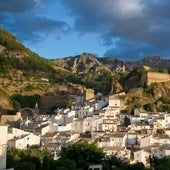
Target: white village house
3,146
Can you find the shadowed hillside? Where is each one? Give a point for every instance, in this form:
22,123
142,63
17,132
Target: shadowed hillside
24,72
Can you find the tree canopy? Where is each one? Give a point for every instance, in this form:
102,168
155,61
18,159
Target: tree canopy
83,154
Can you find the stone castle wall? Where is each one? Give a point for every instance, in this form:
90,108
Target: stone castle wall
151,77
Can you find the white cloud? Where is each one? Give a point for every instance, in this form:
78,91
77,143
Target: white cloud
129,8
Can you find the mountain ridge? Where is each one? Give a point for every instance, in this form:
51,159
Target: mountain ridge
114,63
25,72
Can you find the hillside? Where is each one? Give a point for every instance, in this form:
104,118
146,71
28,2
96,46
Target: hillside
24,72
50,82
112,63
81,64
85,63
92,72
122,76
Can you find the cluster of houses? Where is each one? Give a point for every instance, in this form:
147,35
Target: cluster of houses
99,121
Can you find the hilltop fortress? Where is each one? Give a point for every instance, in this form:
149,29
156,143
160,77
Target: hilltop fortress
151,77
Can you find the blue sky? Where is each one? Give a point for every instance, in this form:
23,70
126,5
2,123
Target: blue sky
125,29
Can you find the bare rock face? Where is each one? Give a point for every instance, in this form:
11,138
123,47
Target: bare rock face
162,89
81,64
150,61
2,48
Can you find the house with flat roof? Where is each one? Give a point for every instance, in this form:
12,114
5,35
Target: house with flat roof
24,141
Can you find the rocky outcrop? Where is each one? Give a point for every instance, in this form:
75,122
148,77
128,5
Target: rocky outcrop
151,61
81,64
162,89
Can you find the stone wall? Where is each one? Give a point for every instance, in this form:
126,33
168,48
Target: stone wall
10,118
151,77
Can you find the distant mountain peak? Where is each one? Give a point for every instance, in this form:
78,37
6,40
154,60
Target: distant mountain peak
151,61
80,64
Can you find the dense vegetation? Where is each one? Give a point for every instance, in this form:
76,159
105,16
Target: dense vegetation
76,156
25,101
30,159
149,90
83,154
164,105
10,41
99,81
131,79
16,56
28,62
31,65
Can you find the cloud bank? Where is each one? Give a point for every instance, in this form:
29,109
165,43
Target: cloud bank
128,28
26,20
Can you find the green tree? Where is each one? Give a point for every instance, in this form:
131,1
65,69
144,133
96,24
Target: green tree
26,101
165,99
161,167
126,121
31,155
83,154
13,157
46,163
164,108
150,107
137,166
163,162
152,160
112,161
62,168
149,90
68,105
66,163
25,166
